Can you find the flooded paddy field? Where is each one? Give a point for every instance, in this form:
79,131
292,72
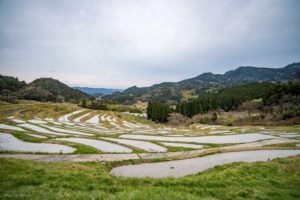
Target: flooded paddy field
10,143
186,167
109,132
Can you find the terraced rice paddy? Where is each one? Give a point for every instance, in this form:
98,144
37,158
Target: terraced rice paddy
93,120
18,121
8,127
10,143
65,118
192,146
81,117
147,146
290,135
36,136
37,121
64,152
100,145
185,167
65,130
237,138
40,129
108,132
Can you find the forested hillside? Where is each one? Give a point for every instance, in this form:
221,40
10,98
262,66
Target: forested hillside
43,89
271,102
10,84
58,90
227,99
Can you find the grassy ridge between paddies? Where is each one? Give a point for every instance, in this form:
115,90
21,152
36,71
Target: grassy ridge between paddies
276,179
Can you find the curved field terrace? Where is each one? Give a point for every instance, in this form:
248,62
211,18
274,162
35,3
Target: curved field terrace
83,135
186,167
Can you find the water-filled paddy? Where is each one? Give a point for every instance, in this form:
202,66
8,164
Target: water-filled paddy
147,146
9,142
39,129
238,138
78,119
65,118
98,144
65,130
94,119
186,167
192,146
13,128
18,121
36,136
37,121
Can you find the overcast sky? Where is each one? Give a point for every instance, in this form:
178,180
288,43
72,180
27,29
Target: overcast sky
107,43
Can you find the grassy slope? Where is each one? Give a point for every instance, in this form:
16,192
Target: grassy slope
34,109
277,179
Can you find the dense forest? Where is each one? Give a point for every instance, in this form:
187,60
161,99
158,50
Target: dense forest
10,84
158,112
8,87
226,99
283,99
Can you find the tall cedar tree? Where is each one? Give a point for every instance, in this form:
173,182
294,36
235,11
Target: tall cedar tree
158,112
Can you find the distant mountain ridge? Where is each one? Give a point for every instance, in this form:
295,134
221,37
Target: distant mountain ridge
263,74
206,82
48,89
97,91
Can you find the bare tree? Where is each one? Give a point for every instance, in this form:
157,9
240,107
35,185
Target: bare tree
249,107
176,119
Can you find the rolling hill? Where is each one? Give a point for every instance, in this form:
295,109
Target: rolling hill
42,89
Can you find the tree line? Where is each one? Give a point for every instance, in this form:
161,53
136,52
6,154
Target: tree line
226,99
93,104
107,104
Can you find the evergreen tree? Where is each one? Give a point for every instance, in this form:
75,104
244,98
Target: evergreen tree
158,112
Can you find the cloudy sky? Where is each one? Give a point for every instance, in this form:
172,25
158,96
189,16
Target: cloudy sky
107,43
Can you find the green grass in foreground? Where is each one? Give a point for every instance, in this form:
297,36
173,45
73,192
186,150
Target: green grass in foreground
277,179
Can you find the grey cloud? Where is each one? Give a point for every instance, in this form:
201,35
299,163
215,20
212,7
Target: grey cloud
124,43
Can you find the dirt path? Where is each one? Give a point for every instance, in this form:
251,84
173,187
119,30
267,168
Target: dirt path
133,156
